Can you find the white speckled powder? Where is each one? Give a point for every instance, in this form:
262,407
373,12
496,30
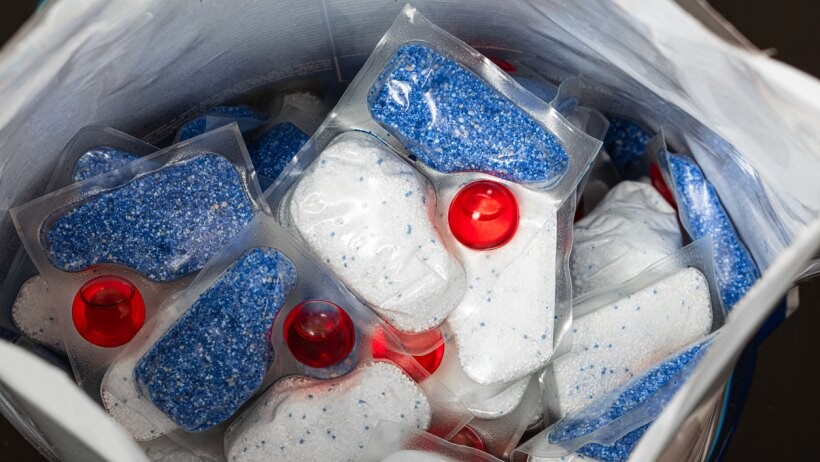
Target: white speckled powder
127,406
33,313
300,419
504,324
618,341
629,230
366,214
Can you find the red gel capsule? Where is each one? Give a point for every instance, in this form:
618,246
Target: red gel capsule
483,215
504,65
468,437
319,334
108,311
656,177
429,345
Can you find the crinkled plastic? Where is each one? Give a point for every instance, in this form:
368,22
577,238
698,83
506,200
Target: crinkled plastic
392,442
702,214
631,228
246,118
619,332
610,426
25,303
500,436
516,142
261,310
114,247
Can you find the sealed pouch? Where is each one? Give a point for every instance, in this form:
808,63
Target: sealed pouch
702,214
24,297
631,228
260,311
500,436
470,131
114,247
393,442
276,143
609,427
621,331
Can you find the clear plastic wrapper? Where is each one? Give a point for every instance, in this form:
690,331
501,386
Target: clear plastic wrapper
631,228
702,214
608,428
619,332
261,310
393,442
500,436
476,139
25,303
114,247
246,118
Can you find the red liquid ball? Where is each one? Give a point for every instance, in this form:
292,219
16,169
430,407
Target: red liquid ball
428,359
483,215
656,177
468,437
319,334
504,65
108,311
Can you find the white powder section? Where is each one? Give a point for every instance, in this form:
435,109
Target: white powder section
128,407
620,340
33,313
483,402
629,230
504,325
501,404
311,420
411,455
568,458
367,215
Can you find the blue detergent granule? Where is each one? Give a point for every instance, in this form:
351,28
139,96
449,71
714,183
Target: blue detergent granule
216,355
272,151
703,215
164,224
625,142
452,121
99,160
198,125
654,388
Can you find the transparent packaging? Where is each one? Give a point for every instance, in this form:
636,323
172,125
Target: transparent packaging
114,247
260,311
609,427
25,304
702,214
392,442
500,436
534,174
619,332
631,228
246,118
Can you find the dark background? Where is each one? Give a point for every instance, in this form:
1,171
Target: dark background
780,419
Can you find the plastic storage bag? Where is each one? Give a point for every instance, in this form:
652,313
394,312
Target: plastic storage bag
769,108
392,442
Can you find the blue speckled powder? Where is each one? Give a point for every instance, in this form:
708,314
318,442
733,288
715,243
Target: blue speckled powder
625,142
703,215
216,355
654,388
198,125
164,224
99,160
454,122
272,151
